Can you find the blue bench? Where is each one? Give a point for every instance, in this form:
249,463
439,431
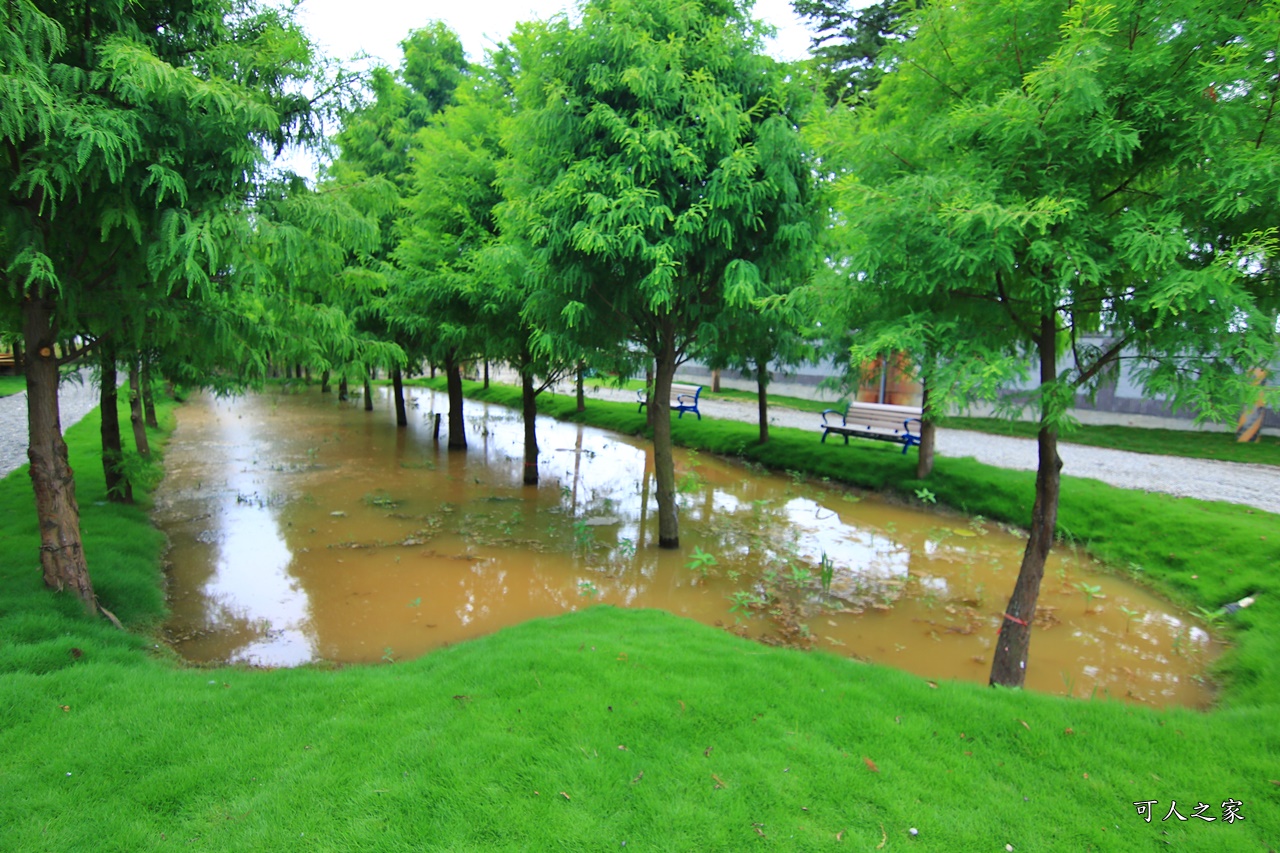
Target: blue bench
684,398
880,421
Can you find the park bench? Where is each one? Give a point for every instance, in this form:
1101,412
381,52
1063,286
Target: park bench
880,421
684,398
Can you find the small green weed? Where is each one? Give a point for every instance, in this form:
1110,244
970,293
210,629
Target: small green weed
701,562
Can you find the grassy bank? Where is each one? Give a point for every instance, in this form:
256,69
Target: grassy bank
610,726
1221,446
12,385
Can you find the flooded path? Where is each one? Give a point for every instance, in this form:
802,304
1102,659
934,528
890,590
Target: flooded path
303,529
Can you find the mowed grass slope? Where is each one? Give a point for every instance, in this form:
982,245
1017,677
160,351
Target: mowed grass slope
610,726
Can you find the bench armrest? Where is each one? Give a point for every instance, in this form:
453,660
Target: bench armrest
906,426
840,412
687,400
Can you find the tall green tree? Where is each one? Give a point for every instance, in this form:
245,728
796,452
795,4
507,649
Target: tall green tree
127,127
849,38
376,141
1035,173
645,136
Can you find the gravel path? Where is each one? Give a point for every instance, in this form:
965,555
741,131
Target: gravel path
1252,485
77,396
1235,482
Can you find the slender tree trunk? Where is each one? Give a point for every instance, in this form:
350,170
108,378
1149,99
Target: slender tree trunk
148,398
368,393
663,454
486,373
928,438
342,389
529,410
649,389
1009,663
397,385
762,401
715,380
582,396
298,371
457,425
135,411
61,553
19,366
119,489
324,382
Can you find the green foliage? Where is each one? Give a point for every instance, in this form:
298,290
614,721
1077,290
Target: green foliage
539,703
701,562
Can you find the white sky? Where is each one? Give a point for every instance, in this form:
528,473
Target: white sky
344,28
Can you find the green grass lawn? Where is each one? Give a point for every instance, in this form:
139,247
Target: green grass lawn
12,385
1170,442
609,726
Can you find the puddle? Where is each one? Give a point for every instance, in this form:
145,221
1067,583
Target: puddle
304,530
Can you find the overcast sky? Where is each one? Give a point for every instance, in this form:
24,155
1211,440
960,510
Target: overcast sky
344,28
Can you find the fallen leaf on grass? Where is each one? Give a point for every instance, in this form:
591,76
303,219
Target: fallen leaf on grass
840,835
1024,725
1068,731
622,747
639,776
65,707
871,765
884,838
932,684
720,783
563,794
706,753
759,831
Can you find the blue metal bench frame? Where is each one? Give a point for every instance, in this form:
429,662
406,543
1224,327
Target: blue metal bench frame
684,398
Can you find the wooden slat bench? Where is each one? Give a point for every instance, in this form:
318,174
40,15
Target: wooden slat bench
684,398
880,421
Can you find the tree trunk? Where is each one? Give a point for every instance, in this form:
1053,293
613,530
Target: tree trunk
19,367
61,553
368,393
457,426
715,380
648,389
663,456
135,411
928,438
582,397
1009,663
119,489
762,401
148,399
324,382
397,384
342,389
529,409
486,373
298,373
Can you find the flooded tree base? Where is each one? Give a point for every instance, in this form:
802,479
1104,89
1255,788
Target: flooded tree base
305,530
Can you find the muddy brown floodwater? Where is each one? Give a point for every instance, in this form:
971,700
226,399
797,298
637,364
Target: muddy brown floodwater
303,529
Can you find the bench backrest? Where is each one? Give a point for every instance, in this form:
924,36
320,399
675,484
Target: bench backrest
880,415
678,388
